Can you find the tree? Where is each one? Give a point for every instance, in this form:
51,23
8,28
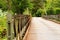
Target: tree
3,4
18,6
37,5
52,5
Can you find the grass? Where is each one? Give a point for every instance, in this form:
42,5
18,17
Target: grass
4,38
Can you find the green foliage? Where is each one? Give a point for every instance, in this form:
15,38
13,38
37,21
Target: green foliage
51,7
36,5
58,11
3,4
56,3
39,12
3,23
18,6
2,20
50,11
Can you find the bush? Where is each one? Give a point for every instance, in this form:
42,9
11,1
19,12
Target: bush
39,12
50,12
57,11
3,21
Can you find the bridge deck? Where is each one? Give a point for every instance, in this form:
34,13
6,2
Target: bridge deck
41,29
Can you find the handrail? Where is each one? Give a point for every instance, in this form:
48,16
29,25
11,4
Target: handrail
19,25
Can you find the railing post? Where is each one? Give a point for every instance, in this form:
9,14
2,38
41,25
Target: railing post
19,29
9,26
9,31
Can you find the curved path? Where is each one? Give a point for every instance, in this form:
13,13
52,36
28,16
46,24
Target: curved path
41,29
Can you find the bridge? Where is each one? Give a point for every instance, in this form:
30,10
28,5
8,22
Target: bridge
25,27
